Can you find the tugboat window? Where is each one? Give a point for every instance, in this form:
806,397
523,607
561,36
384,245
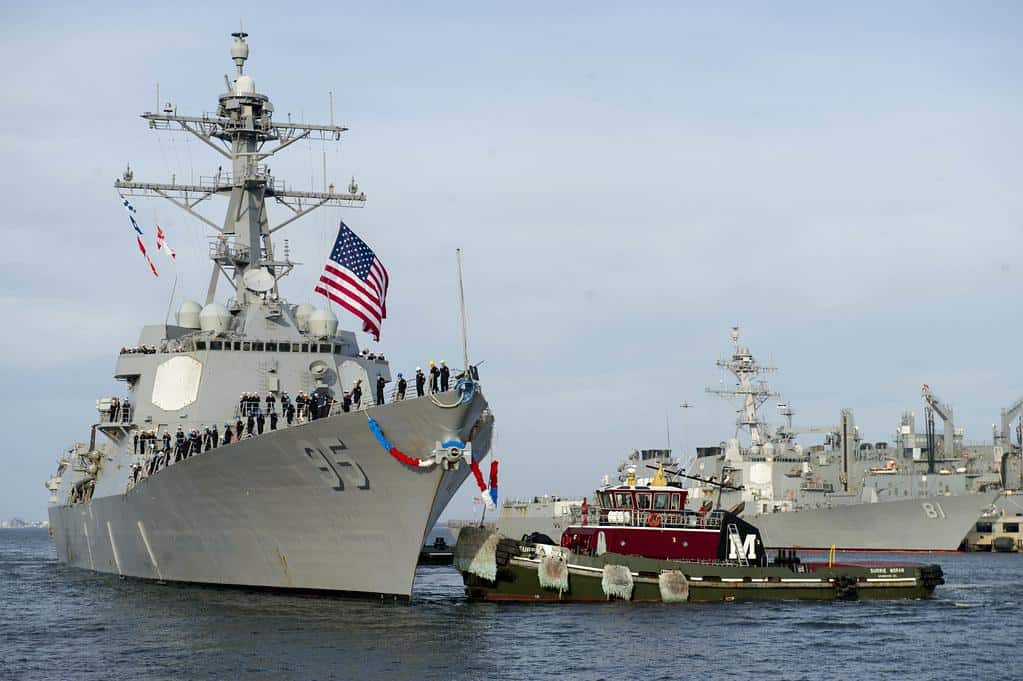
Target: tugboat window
675,501
661,501
623,500
644,500
257,347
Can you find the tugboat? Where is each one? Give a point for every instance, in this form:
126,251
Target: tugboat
646,547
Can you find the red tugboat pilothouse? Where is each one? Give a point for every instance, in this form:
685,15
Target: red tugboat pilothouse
652,521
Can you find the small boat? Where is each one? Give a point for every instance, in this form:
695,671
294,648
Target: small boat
645,547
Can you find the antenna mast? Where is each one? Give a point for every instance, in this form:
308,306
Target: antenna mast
461,303
239,131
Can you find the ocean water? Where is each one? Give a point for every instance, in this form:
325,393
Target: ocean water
63,623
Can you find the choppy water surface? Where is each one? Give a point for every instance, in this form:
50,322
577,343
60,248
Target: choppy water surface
62,623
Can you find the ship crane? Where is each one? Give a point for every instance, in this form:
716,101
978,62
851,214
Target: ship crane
1009,415
948,450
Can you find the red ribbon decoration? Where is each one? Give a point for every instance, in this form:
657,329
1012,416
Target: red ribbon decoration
478,474
403,457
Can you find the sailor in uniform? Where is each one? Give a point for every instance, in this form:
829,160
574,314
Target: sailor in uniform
420,381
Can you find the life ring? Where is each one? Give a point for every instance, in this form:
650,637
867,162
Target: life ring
654,520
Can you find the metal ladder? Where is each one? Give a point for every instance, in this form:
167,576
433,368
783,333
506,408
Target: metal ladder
736,541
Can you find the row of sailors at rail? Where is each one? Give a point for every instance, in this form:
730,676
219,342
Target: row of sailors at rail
304,407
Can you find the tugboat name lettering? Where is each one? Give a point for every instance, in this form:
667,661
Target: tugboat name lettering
933,509
748,548
335,465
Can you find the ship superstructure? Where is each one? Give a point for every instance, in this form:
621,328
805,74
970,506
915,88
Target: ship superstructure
920,492
317,502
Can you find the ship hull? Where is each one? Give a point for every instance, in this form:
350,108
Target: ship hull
319,506
916,524
912,524
497,569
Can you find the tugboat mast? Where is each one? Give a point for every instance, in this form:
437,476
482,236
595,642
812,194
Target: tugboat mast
239,131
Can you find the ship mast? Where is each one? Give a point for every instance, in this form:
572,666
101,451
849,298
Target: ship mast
751,393
240,131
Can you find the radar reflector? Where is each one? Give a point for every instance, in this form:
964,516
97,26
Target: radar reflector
258,280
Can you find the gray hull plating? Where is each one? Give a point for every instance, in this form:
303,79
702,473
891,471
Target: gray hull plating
272,511
920,524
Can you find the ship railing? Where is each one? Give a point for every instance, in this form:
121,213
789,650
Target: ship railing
667,518
121,416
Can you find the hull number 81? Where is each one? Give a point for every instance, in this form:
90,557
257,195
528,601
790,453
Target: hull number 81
932,509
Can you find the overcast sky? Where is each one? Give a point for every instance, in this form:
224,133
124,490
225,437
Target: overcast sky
626,181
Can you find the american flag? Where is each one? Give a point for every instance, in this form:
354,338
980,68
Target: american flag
355,279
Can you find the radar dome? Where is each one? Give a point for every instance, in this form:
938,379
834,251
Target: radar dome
244,86
302,313
188,314
214,317
322,323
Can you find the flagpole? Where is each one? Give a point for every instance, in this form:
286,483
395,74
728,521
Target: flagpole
170,303
461,302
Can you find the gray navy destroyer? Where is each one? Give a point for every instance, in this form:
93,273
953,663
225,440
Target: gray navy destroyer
925,491
339,500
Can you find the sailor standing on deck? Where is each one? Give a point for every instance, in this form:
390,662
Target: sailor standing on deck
215,434
402,385
271,401
166,440
228,435
445,374
380,388
420,381
250,425
273,420
290,413
260,421
179,444
357,393
434,376
346,402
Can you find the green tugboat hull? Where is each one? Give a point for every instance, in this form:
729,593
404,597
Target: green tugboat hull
499,569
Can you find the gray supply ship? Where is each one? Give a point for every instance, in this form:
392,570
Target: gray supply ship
339,500
922,493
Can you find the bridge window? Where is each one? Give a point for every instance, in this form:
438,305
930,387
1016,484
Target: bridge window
643,500
1010,527
338,349
676,500
257,347
200,345
216,345
237,345
661,501
305,347
284,347
623,500
271,347
246,346
324,347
